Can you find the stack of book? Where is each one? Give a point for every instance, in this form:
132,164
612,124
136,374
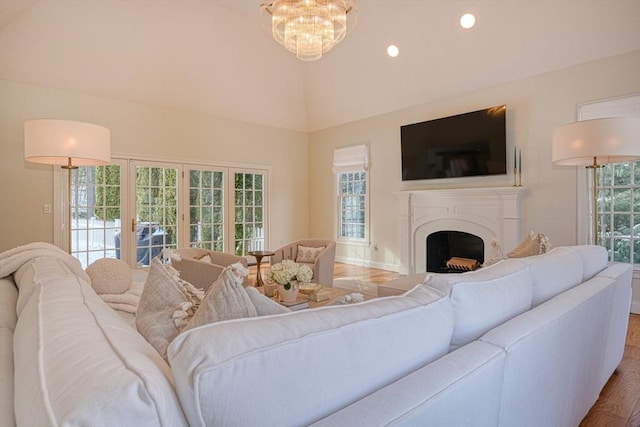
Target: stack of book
301,302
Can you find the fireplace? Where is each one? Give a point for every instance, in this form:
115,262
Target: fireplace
447,244
490,214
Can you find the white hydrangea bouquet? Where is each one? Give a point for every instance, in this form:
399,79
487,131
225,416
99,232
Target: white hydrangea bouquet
283,273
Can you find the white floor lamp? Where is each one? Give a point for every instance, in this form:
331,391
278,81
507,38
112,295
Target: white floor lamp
594,143
68,144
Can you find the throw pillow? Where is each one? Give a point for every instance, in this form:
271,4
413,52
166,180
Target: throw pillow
226,298
307,254
206,258
497,255
264,305
110,276
534,244
163,302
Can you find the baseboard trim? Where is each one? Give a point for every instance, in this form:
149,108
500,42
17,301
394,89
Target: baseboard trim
367,263
635,307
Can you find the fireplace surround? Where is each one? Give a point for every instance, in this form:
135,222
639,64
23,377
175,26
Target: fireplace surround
490,213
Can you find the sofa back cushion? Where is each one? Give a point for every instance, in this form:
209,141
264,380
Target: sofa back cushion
594,260
556,271
485,298
303,365
78,363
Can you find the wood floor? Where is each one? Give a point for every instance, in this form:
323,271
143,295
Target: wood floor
619,402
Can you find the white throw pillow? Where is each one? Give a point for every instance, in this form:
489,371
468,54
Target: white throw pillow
264,305
308,254
226,299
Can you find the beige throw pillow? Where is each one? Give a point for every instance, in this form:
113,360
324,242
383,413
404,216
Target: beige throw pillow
163,302
534,244
226,298
308,254
110,276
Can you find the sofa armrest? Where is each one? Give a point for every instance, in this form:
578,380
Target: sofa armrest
324,265
200,274
469,378
224,259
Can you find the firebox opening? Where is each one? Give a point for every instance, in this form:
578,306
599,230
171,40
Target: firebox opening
447,244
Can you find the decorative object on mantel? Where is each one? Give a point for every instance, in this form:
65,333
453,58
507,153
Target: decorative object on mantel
286,275
517,167
68,144
594,143
308,28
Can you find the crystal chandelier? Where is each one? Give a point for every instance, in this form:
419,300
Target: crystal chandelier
309,28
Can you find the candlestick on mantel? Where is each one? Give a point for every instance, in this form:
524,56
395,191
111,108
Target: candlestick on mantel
520,170
515,166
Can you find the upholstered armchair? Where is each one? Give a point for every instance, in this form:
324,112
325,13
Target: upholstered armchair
318,254
201,267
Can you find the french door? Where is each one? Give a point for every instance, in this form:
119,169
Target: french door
133,209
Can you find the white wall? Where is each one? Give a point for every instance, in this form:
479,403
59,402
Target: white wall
142,130
535,106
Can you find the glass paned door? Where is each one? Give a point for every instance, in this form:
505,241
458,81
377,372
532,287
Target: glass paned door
206,209
249,211
156,210
95,212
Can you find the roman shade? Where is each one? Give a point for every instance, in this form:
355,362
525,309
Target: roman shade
354,158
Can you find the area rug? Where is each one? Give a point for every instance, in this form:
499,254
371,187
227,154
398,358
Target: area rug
368,289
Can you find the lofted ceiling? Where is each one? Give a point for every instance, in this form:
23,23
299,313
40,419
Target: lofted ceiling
213,57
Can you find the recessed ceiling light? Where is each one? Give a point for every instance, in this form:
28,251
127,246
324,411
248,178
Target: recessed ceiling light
393,50
467,21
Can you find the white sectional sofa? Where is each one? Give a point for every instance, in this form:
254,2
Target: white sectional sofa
526,342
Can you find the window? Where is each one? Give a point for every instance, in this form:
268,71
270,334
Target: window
206,209
95,212
618,190
132,209
249,212
619,211
350,164
352,197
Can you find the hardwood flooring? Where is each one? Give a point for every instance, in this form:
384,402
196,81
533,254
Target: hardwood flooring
619,402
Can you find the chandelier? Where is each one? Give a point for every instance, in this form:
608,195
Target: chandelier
309,28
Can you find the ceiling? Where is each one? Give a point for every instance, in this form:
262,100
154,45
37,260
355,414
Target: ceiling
213,57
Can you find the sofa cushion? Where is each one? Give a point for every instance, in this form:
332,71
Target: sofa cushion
164,294
225,299
325,358
78,363
594,259
485,298
554,272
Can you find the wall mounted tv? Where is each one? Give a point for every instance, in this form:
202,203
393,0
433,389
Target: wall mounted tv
469,144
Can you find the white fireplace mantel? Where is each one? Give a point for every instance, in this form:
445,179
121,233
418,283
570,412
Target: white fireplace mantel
491,213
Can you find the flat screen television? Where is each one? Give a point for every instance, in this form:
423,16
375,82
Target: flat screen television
469,144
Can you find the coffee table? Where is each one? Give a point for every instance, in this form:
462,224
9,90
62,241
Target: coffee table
333,294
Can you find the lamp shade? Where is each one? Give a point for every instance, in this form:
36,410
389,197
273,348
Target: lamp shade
608,140
58,142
